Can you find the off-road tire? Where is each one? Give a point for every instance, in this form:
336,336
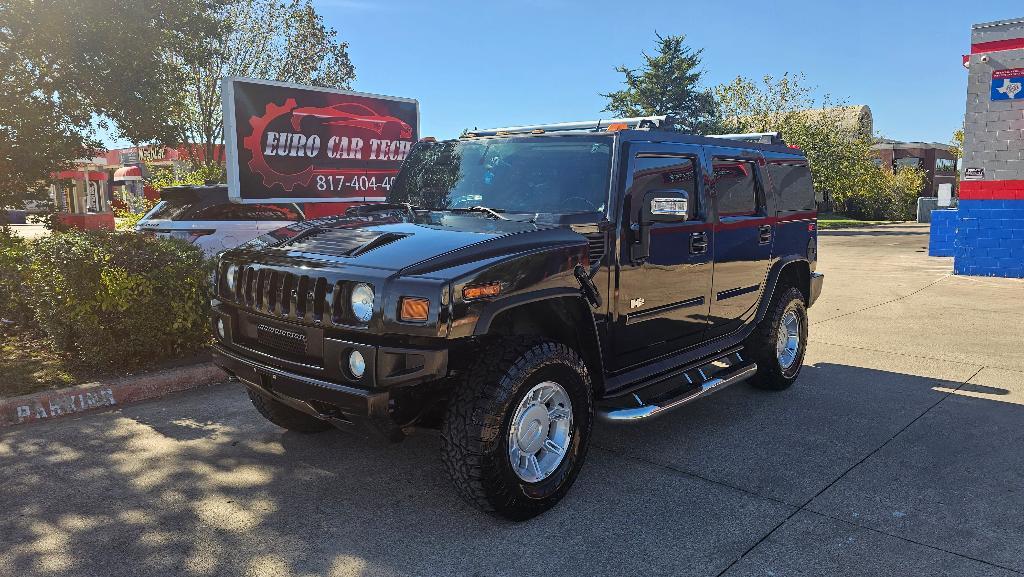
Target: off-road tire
286,417
761,344
475,431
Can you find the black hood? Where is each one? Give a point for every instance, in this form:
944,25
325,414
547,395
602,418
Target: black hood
414,248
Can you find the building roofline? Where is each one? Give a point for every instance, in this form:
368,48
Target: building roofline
998,23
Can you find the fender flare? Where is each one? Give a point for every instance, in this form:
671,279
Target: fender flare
592,348
494,308
773,281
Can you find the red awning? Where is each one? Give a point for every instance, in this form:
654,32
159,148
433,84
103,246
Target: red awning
79,175
126,173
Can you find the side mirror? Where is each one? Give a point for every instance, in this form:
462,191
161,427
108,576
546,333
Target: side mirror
666,206
657,206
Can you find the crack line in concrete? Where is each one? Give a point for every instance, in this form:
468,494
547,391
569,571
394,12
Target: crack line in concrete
876,305
854,466
909,540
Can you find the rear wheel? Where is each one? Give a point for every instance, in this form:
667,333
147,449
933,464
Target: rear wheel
517,427
284,416
778,344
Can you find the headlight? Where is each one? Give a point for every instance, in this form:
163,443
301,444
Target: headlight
362,302
222,330
356,364
231,277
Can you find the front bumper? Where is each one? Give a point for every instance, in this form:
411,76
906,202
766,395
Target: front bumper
817,280
364,410
340,405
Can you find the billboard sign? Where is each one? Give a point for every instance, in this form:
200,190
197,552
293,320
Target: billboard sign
290,143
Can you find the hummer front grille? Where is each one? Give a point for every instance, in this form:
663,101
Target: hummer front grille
303,298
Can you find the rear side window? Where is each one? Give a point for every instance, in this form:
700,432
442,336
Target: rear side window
169,210
262,212
794,186
735,187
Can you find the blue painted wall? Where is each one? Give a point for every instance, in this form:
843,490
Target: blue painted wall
943,232
989,239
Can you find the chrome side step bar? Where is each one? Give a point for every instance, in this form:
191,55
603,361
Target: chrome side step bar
692,389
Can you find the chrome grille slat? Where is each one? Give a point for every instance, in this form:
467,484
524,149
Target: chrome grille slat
264,288
293,310
328,318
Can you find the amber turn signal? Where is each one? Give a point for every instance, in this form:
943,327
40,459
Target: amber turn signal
414,309
480,291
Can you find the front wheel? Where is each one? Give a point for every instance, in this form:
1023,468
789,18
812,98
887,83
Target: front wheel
778,344
517,427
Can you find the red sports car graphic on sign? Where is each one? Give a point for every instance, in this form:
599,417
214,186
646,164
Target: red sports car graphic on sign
352,114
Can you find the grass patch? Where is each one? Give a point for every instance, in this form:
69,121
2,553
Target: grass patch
27,365
830,221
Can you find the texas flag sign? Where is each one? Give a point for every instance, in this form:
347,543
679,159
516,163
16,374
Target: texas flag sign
1008,84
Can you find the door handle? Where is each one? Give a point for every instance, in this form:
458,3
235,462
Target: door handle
764,234
698,243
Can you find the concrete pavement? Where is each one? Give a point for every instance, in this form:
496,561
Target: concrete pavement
898,452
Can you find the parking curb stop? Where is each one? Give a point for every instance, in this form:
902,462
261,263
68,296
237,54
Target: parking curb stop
104,394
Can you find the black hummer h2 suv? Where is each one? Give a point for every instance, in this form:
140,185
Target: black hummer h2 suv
519,282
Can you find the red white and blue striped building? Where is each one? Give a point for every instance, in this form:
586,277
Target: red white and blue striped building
985,235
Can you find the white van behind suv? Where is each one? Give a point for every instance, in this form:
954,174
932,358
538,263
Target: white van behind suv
204,216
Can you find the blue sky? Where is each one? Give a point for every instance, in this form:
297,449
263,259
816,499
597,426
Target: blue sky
473,63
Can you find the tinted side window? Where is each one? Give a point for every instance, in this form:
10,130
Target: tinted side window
665,173
735,187
169,210
248,212
794,187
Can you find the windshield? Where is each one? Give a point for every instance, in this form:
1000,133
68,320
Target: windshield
564,174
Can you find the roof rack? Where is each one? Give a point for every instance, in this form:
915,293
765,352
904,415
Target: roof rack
636,123
755,137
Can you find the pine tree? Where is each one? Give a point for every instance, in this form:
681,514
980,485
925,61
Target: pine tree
667,83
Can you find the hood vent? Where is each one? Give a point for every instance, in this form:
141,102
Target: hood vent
596,242
341,242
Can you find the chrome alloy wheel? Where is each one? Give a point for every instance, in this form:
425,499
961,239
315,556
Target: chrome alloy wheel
540,432
788,344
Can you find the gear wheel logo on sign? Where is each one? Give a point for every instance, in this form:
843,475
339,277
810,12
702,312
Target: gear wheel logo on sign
253,143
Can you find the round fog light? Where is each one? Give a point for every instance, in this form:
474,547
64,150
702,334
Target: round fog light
356,364
222,331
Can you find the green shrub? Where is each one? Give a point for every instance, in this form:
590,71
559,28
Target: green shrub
118,300
13,265
888,195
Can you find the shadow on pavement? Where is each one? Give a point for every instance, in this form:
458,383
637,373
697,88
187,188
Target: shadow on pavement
201,485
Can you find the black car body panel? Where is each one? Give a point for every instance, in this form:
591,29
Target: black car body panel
640,300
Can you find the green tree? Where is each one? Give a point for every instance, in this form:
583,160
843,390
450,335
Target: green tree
267,39
667,83
957,142
837,146
68,65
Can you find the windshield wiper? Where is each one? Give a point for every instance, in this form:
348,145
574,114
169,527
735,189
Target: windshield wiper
495,212
374,207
